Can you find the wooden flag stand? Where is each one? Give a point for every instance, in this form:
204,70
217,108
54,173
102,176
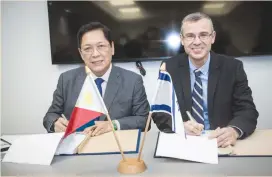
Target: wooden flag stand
135,165
126,165
131,166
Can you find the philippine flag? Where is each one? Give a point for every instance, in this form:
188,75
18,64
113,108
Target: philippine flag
89,106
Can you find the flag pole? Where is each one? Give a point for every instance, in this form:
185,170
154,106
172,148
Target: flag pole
88,72
116,138
83,143
146,128
149,116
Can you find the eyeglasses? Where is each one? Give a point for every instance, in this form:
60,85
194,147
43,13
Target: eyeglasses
202,36
88,50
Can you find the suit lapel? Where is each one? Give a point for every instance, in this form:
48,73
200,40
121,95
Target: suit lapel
183,81
214,72
113,85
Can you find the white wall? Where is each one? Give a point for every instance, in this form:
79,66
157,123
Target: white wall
29,78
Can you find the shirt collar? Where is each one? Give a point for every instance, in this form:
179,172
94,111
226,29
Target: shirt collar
105,77
204,69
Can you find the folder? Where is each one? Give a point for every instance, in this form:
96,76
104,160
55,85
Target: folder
102,144
256,145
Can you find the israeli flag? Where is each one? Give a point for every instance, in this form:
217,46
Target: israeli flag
165,102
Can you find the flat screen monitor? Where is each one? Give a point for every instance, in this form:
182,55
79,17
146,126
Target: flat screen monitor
150,30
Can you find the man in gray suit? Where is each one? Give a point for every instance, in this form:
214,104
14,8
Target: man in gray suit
122,90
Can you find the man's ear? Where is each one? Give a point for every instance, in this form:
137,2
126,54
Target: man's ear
79,50
181,40
163,67
112,48
213,36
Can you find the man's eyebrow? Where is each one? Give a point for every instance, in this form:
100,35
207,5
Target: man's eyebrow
198,33
86,45
93,44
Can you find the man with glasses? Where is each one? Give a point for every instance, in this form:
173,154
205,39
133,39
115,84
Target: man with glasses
122,90
212,88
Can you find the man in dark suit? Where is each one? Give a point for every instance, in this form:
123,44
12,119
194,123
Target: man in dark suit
122,90
212,87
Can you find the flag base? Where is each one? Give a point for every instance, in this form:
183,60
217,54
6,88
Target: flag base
131,166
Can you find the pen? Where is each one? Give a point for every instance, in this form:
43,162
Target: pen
63,116
190,116
5,141
192,119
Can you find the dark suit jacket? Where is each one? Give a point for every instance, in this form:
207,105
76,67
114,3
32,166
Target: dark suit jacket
125,98
230,99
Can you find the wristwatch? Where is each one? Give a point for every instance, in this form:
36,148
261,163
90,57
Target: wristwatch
114,125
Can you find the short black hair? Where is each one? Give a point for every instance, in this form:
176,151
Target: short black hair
90,27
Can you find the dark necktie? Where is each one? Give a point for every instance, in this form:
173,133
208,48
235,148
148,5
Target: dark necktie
98,83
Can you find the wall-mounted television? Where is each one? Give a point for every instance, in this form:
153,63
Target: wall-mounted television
149,30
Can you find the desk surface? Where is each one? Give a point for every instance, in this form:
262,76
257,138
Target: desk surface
106,165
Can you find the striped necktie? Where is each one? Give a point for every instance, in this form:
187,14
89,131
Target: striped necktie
197,99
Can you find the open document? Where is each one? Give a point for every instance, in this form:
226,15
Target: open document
192,148
34,149
41,148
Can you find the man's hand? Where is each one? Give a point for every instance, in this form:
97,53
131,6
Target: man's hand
193,128
60,125
99,128
225,136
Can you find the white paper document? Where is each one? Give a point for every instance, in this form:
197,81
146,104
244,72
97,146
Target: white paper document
34,149
193,148
69,145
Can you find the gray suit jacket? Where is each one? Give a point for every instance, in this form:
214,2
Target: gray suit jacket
125,98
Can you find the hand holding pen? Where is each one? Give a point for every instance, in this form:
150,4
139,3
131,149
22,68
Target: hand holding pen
192,127
61,124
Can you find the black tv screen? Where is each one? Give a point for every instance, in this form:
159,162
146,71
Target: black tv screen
149,30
